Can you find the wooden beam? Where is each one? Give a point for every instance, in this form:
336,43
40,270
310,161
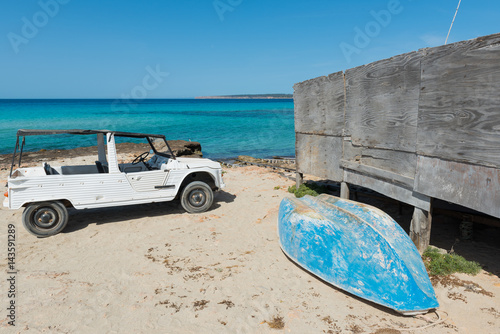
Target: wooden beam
377,172
420,229
399,192
472,186
344,190
403,163
299,179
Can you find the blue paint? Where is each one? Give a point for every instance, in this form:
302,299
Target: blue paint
357,248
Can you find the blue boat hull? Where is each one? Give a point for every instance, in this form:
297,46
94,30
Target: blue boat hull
357,248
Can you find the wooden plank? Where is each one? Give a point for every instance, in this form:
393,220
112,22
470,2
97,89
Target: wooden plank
377,172
395,191
382,103
472,186
459,102
402,163
319,156
319,105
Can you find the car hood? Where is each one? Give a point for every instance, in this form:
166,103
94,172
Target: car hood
198,162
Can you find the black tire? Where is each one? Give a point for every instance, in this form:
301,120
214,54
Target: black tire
45,219
197,197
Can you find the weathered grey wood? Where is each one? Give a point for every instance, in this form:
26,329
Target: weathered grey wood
377,172
319,105
420,229
382,103
396,191
459,113
403,163
351,152
475,187
344,190
299,179
319,156
448,94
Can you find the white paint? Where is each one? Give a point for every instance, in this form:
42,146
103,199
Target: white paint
85,188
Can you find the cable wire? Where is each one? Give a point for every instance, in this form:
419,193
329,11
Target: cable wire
434,323
449,31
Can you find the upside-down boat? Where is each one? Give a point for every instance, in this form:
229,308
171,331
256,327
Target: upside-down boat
357,248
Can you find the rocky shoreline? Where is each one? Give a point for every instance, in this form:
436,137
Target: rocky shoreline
179,148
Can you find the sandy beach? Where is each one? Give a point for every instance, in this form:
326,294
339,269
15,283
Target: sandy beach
156,269
397,102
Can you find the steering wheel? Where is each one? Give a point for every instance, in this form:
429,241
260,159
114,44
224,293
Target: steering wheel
141,158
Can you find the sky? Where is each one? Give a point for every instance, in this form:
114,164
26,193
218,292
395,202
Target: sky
189,48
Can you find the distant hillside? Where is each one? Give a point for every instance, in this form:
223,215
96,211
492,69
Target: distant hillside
249,96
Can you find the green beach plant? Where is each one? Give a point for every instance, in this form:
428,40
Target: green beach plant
439,264
311,189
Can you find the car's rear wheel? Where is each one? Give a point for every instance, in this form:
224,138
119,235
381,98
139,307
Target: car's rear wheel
45,219
197,197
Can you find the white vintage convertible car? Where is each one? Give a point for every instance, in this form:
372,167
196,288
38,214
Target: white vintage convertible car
47,191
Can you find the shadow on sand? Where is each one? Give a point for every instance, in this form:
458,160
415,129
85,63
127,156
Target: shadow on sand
80,219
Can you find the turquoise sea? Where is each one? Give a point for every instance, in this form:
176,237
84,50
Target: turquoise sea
225,128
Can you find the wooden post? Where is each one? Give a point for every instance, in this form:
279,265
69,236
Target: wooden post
467,227
299,179
420,229
344,190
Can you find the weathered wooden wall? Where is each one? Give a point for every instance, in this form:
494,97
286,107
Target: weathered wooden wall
382,103
319,124
459,110
414,127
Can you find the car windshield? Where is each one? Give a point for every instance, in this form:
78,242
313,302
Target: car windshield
161,147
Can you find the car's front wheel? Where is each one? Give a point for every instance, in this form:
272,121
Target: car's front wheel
197,197
45,219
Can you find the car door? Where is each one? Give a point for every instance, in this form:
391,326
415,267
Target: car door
150,180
